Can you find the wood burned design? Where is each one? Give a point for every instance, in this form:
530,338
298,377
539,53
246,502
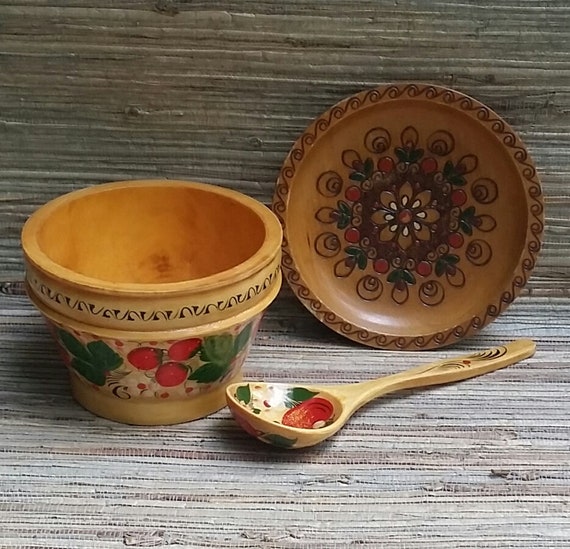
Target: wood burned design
349,120
153,315
406,216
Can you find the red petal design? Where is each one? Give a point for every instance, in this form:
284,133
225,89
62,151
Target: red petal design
306,414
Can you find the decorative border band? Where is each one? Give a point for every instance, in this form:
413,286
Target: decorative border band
131,315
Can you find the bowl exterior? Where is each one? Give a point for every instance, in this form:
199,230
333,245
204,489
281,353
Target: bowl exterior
152,381
152,354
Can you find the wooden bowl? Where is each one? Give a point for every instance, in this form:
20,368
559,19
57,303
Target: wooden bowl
154,291
412,216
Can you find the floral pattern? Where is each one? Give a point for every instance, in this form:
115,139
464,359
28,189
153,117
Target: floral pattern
407,219
290,406
162,370
405,215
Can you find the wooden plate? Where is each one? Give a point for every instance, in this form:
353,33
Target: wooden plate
412,216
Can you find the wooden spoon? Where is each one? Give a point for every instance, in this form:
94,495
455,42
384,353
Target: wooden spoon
295,416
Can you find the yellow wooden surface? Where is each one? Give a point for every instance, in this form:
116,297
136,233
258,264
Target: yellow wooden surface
217,92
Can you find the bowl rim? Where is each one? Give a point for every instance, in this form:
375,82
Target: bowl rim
270,247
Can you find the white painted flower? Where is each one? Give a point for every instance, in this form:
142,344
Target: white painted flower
405,216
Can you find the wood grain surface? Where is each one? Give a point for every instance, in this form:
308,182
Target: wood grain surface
218,92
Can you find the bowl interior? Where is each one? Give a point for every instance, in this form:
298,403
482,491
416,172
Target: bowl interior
411,216
150,234
481,280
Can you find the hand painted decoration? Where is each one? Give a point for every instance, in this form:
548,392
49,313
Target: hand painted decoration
295,407
161,370
406,217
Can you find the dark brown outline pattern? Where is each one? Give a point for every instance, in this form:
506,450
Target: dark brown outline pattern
149,316
477,111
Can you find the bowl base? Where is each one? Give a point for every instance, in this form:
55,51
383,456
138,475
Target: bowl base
149,411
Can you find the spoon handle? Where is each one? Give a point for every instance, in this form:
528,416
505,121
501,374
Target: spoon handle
444,371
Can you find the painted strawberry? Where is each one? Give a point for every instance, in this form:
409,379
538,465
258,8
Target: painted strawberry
185,349
381,265
458,197
171,374
352,235
429,165
145,358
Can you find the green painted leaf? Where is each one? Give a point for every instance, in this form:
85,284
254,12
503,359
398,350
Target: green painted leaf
368,167
452,175
92,361
448,169
443,262
279,441
242,339
218,349
394,276
408,277
466,220
74,346
357,176
415,155
343,221
296,395
440,266
243,394
103,357
343,207
466,226
358,255
89,371
402,154
209,372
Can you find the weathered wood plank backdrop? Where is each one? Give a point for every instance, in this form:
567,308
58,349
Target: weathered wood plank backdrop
217,92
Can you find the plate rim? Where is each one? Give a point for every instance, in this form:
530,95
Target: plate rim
528,178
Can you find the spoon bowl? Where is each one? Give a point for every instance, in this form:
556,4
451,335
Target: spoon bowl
297,416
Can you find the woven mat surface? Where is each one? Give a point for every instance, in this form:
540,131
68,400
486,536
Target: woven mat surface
217,92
